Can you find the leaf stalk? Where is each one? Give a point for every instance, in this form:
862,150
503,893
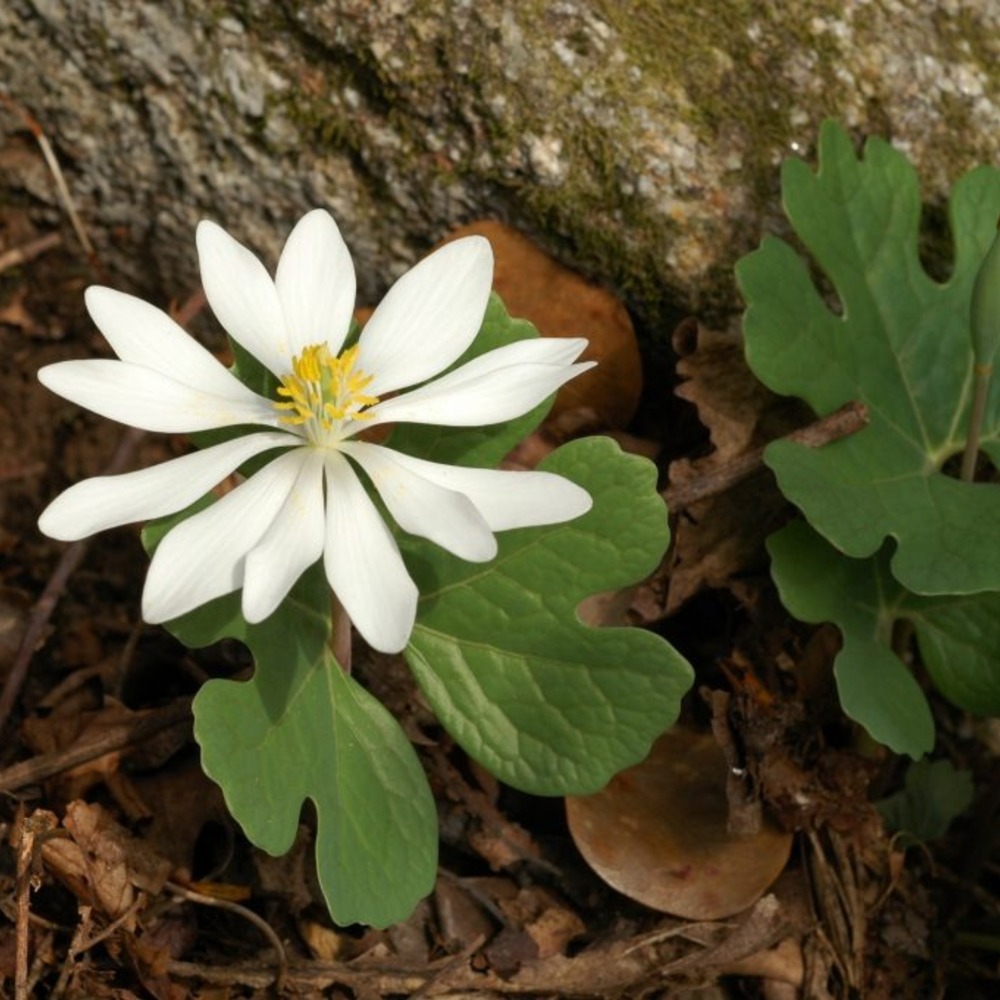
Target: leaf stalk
340,634
982,375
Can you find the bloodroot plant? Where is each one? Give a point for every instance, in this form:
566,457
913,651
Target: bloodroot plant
369,495
894,535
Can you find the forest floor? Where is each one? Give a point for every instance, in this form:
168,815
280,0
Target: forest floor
123,876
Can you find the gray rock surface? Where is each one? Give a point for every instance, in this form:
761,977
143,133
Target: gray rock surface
639,140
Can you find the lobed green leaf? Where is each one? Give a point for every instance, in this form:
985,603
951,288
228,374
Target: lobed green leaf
302,729
958,637
543,701
899,341
935,794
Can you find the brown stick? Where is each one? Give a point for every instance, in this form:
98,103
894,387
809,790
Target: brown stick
46,604
75,948
28,251
62,188
451,965
849,419
25,849
118,737
602,971
262,925
27,830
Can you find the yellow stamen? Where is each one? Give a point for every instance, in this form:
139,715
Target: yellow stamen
321,390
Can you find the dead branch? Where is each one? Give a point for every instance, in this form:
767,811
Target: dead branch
126,734
849,419
28,251
598,972
42,611
279,976
27,830
62,188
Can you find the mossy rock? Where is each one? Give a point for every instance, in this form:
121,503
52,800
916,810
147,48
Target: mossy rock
637,140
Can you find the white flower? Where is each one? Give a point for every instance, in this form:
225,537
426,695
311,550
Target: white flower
309,501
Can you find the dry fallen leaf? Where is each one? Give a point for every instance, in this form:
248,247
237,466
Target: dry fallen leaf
461,916
101,862
84,717
551,924
14,313
473,814
658,833
717,539
324,943
562,303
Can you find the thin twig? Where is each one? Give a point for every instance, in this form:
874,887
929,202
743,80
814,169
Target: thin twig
126,734
70,684
482,897
75,948
262,925
127,653
102,935
28,251
46,604
41,965
28,829
81,943
184,314
454,962
615,969
62,188
690,930
25,848
847,420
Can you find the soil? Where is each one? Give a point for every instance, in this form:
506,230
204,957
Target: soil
124,877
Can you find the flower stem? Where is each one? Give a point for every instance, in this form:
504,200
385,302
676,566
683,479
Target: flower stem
980,392
340,634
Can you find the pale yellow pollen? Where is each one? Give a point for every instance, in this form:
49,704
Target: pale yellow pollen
323,390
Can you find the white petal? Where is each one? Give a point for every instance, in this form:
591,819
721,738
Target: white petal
316,283
141,397
363,564
429,316
108,501
204,556
506,499
424,507
144,335
454,400
290,546
243,297
533,350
